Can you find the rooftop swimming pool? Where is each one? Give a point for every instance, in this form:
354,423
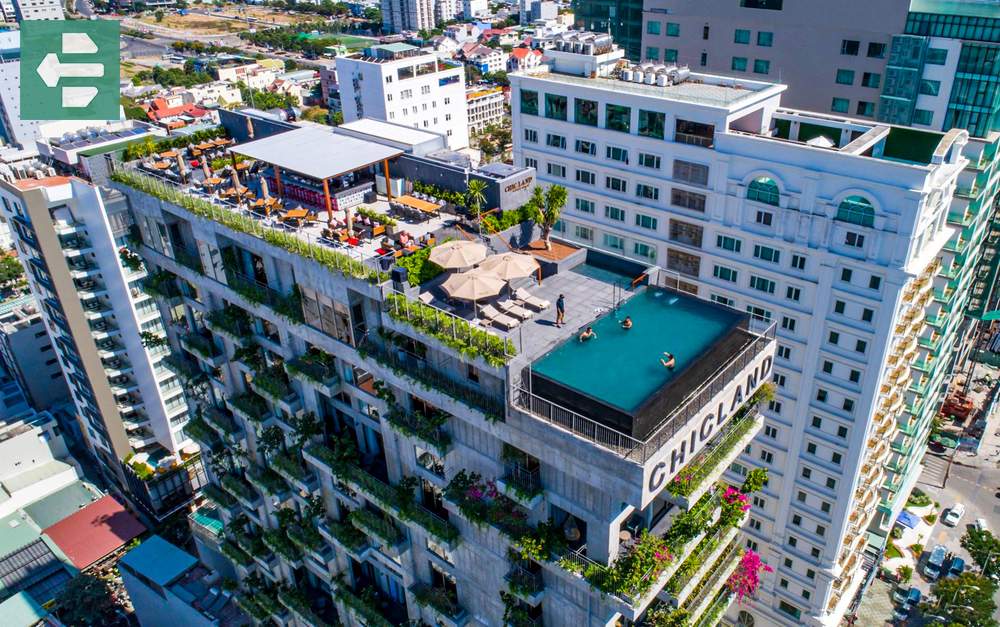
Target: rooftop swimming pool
621,368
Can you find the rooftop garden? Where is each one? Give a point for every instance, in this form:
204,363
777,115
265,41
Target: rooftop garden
334,260
420,269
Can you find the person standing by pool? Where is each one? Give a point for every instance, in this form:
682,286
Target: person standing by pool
627,323
588,335
669,362
560,311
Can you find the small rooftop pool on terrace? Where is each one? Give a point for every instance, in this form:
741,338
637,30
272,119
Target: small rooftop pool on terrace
617,378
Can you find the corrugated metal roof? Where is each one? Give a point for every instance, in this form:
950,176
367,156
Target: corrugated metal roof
159,561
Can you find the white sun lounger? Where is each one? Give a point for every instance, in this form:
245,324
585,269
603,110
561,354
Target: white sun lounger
526,298
511,308
495,318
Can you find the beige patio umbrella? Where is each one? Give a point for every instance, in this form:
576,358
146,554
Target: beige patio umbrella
458,254
473,285
508,266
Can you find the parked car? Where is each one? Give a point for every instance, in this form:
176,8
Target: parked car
980,525
900,594
956,567
935,561
912,598
955,513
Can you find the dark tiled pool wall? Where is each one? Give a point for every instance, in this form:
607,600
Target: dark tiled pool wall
587,406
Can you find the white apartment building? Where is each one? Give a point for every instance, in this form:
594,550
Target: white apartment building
447,10
20,10
833,236
401,84
474,8
28,354
78,247
400,15
486,106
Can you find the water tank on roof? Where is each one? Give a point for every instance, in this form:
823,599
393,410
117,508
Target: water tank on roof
626,74
650,78
638,76
683,74
662,79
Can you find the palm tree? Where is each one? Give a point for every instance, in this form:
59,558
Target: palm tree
475,196
548,207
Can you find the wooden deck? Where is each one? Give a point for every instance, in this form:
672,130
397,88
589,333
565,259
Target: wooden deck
558,252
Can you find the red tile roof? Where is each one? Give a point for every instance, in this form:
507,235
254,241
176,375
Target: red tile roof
48,181
522,53
95,531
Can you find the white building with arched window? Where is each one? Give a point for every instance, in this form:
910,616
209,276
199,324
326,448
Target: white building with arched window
827,225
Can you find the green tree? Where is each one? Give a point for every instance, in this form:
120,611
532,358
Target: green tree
549,210
754,481
159,15
984,547
271,440
10,269
337,118
963,600
475,196
291,64
86,600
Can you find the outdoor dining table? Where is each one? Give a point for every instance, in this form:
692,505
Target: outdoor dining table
416,203
296,214
212,182
161,165
170,154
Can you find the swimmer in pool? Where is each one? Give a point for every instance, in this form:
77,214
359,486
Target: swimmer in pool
588,335
627,323
669,362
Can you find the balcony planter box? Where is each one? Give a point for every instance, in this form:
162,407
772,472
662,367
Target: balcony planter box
250,409
446,610
315,372
294,473
299,606
383,534
267,481
223,424
289,402
707,565
526,585
321,563
345,537
418,427
203,349
284,548
199,431
251,608
241,491
222,500
359,606
235,554
714,580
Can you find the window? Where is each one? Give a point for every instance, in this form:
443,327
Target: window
770,432
725,274
530,162
703,60
739,64
614,213
761,66
652,28
854,376
766,253
784,352
936,56
694,133
618,118
742,36
759,313
585,111
583,232
616,184
723,300
652,53
647,160
856,210
874,282
840,105
860,346
779,380
845,77
765,38
817,422
705,31
848,405
836,458
834,337
787,323
616,154
728,243
798,262
644,221
764,217
690,172
838,306
865,108
923,116
867,314
871,79
929,87
647,191
531,135
614,242
555,107
841,432
644,250
807,473
652,123
797,521
586,148
850,47
761,284
669,54
831,483
686,233
586,177
854,240
793,293
846,274
821,395
770,5
584,205
529,102
555,141
767,457
876,50
555,169
828,367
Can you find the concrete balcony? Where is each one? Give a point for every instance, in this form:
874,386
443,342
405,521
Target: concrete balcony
345,537
440,603
203,348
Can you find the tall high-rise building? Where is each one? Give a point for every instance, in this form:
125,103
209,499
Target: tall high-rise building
931,65
839,230
622,19
78,248
28,353
407,15
401,84
377,459
17,136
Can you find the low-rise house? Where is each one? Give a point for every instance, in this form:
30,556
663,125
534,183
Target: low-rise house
524,59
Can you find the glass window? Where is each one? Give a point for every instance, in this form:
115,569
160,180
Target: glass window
690,172
770,5
585,111
554,169
929,87
586,147
845,77
763,189
586,206
670,55
586,177
726,274
652,28
647,191
647,160
529,102
616,184
652,53
742,36
865,108
739,64
856,210
936,56
616,154
871,79
555,107
614,242
728,243
646,222
555,141
644,250
761,66
531,135
840,105
850,47
876,50
765,38
923,116
618,118
762,284
673,29
652,123
614,213
583,232
766,253
688,200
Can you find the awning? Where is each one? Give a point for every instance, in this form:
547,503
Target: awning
907,519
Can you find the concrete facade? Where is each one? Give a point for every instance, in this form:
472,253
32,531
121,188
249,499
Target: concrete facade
29,356
413,15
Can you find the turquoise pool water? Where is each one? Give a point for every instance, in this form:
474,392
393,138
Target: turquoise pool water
622,368
604,275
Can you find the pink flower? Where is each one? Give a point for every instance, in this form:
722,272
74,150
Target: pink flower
746,578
